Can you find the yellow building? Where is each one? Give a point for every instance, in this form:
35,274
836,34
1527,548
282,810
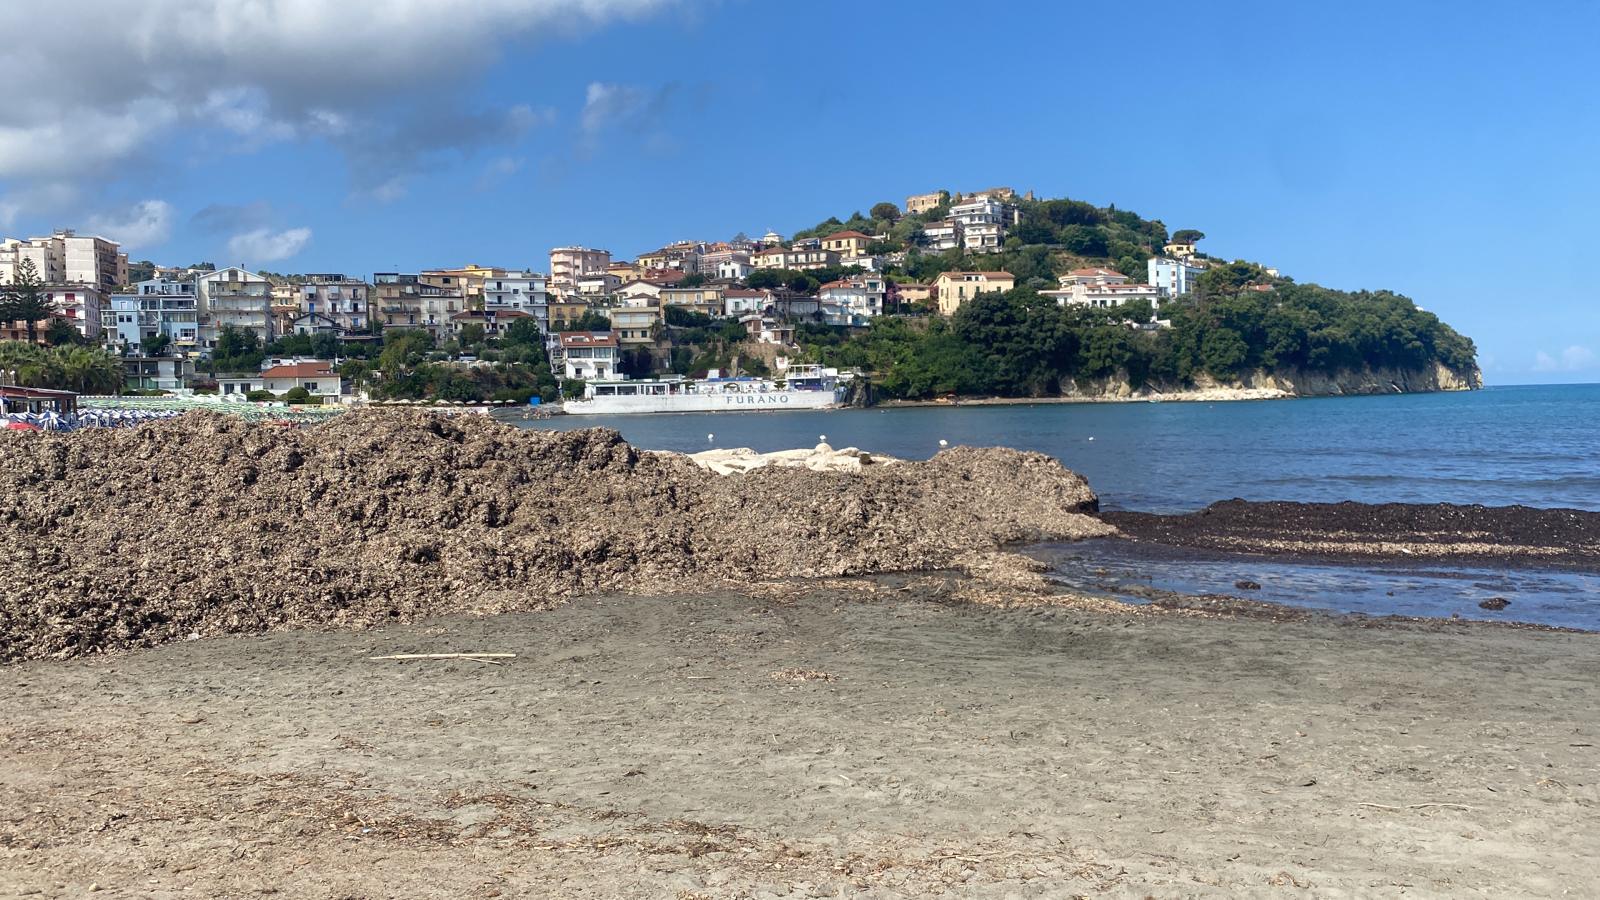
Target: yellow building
704,299
780,258
565,312
912,292
466,280
955,288
848,244
634,321
625,271
921,203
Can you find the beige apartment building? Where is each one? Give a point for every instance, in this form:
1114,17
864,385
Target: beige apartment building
706,299
401,300
567,263
79,272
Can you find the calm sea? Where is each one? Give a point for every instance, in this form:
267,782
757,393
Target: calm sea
1533,445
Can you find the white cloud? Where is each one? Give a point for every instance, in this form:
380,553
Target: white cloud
146,224
263,245
266,69
1572,359
605,104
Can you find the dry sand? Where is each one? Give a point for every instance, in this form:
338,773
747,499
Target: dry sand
817,741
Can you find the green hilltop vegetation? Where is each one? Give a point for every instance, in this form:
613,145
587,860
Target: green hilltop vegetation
1241,318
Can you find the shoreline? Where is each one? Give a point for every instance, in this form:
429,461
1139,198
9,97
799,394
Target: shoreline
1241,395
1200,395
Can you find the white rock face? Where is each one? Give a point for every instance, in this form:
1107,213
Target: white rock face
821,458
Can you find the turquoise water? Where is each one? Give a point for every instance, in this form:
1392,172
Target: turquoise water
1534,445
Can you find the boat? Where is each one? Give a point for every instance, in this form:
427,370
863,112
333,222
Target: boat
802,387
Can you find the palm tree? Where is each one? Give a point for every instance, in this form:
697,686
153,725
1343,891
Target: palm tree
87,370
90,371
26,302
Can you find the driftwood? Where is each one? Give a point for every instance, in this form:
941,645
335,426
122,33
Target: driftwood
446,656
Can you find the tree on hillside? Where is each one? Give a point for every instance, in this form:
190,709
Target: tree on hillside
523,332
237,350
143,270
589,321
887,212
155,345
1231,278
1187,236
25,300
60,333
403,349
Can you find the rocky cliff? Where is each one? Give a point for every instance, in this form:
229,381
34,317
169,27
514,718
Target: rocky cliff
1262,384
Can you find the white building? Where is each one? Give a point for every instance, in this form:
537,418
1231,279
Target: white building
734,269
518,292
981,237
938,237
317,377
737,302
861,299
83,305
1173,277
589,355
174,306
1103,295
1093,276
978,210
236,297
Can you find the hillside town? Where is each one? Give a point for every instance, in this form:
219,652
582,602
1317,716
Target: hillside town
598,316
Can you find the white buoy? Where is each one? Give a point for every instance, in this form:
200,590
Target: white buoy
1091,437
823,438
943,442
711,437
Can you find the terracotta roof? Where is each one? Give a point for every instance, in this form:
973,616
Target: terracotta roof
984,274
841,235
300,370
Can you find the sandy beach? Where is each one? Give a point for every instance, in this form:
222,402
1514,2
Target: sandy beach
815,741
822,674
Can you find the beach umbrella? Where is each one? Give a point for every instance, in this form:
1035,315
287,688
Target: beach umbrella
15,425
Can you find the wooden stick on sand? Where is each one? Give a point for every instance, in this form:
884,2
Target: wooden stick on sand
446,656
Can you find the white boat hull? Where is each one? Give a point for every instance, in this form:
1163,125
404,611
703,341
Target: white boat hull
741,401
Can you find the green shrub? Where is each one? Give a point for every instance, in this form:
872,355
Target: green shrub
299,395
260,396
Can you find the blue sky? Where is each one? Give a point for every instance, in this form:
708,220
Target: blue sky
1436,149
